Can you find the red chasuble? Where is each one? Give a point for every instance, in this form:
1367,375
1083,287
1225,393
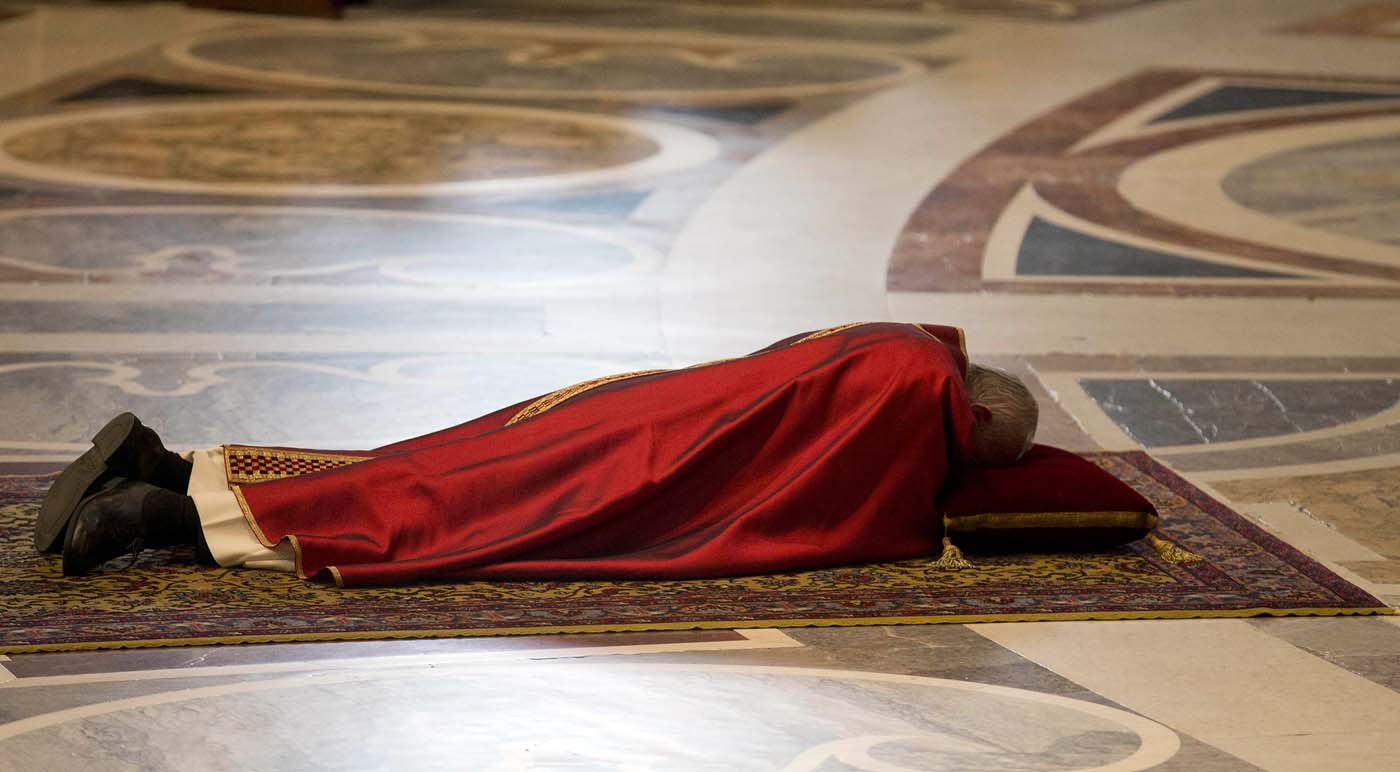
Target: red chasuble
822,449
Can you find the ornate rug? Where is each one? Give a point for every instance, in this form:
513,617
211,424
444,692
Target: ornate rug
158,602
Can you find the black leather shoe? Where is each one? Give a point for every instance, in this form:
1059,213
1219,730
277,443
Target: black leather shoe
123,448
108,524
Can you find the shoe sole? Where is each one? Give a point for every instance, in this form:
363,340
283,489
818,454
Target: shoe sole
68,489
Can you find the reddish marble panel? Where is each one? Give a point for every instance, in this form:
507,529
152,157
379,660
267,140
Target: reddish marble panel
943,244
1381,20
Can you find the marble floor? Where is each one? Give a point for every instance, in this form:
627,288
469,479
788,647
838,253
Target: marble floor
1177,218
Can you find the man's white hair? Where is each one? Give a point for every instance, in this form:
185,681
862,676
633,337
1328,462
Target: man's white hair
1014,411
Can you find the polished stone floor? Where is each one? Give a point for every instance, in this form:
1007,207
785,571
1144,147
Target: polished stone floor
1177,218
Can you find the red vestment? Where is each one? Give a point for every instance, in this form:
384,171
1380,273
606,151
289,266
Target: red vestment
820,450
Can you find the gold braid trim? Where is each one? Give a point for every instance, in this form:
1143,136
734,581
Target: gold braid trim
262,537
248,515
997,521
554,398
830,331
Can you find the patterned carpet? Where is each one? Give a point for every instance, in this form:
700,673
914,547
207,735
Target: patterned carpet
165,602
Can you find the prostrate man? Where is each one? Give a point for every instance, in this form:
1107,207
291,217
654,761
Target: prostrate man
823,449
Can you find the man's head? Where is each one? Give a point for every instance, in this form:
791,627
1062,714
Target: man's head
1005,414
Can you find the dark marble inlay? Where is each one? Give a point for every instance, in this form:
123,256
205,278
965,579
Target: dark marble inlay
1239,98
523,66
1158,412
1044,10
126,660
1051,250
1130,364
140,88
1365,444
626,15
746,115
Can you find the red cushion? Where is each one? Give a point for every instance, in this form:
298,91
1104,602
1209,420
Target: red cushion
1049,501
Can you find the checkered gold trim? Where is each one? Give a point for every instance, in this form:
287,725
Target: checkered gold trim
246,464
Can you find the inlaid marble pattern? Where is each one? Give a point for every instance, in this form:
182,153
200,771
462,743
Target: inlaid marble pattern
338,148
1230,419
1058,10
694,18
735,717
1280,438
261,245
1163,411
1299,454
471,64
254,229
1360,504
1075,200
1342,188
1048,10
345,401
1366,649
1371,19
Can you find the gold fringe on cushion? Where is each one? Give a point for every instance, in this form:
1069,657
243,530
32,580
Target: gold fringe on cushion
952,558
1172,553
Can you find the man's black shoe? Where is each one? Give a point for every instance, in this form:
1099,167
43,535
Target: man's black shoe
123,448
123,517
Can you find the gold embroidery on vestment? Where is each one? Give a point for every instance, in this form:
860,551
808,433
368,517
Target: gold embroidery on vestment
248,515
555,397
830,331
277,464
262,537
558,397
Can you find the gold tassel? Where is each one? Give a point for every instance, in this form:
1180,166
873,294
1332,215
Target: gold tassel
952,558
1170,552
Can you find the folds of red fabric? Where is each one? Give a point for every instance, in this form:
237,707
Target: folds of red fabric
820,450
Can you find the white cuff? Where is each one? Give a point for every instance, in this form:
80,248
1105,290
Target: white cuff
226,531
